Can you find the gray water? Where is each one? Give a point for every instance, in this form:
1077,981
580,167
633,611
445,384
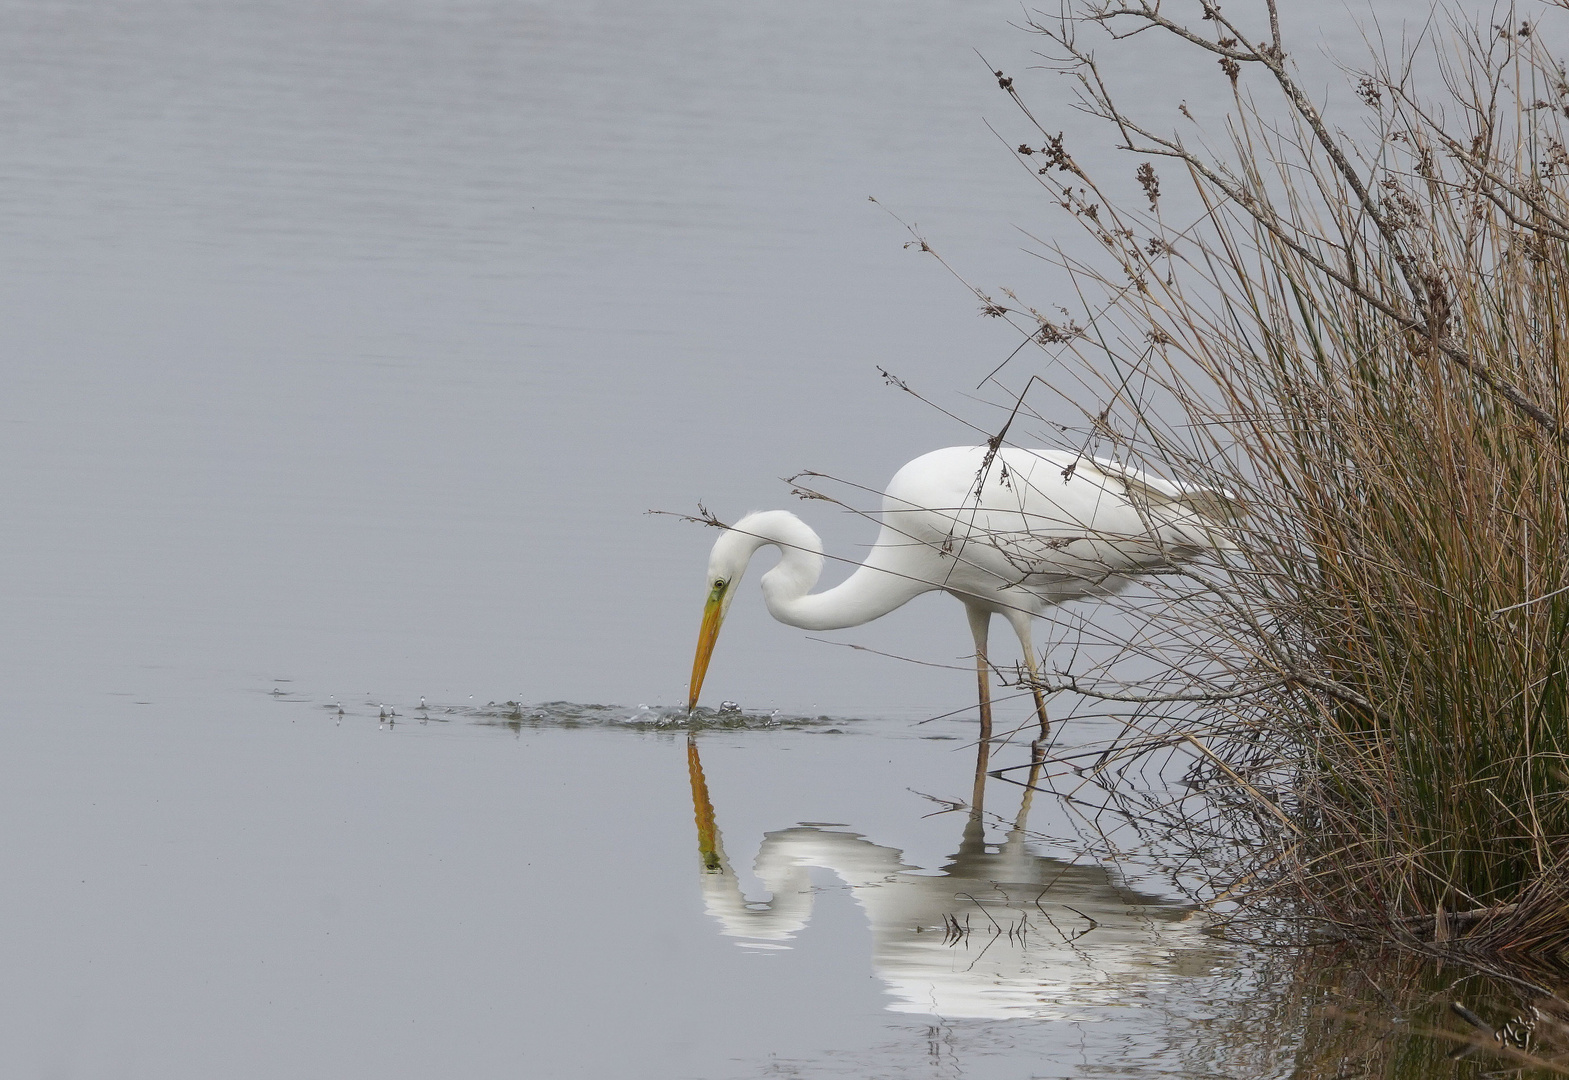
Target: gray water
345,346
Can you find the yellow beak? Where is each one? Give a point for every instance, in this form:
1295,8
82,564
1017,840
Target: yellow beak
713,615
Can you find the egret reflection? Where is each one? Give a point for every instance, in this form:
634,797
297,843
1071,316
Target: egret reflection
1000,932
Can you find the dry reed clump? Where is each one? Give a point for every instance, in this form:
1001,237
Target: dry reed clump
1365,340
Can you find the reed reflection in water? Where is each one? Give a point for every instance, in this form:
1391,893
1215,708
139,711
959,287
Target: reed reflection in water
998,933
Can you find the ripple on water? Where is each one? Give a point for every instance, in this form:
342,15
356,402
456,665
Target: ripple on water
571,714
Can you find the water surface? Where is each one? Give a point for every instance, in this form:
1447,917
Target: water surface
345,346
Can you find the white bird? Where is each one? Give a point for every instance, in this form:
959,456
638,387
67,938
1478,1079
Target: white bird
1008,532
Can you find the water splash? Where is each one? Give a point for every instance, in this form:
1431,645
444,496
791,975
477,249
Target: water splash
569,714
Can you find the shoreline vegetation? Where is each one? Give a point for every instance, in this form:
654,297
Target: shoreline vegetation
1356,323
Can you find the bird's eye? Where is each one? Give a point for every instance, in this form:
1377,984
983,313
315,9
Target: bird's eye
719,583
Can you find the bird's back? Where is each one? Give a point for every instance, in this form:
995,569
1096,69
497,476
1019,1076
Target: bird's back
1055,525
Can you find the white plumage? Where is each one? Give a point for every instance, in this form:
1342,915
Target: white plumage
1010,533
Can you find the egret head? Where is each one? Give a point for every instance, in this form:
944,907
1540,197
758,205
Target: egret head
726,563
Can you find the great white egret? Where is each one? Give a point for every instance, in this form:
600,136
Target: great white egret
1008,532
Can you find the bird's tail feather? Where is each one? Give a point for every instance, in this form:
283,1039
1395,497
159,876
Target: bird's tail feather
1209,509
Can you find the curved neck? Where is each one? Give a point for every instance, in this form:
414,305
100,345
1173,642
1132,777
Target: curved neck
869,593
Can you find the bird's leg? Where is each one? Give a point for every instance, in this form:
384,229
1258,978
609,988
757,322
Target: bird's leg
1040,703
983,752
1021,627
980,625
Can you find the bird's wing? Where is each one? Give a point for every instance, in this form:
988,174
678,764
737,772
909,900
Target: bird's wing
1212,504
1042,558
